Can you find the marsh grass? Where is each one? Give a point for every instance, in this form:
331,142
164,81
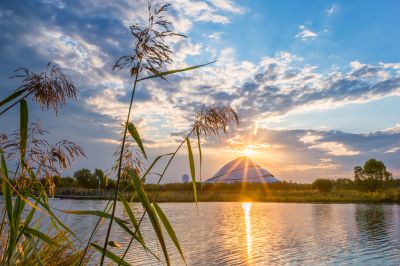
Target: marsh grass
39,160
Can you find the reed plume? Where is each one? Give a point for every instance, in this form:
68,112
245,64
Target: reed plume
50,89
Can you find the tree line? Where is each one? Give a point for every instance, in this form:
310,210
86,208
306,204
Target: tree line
372,176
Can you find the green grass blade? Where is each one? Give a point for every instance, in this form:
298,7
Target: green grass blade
110,255
131,217
200,153
119,221
6,189
34,247
24,117
7,196
166,73
168,228
151,213
135,135
19,206
41,236
192,169
11,97
28,218
152,164
22,197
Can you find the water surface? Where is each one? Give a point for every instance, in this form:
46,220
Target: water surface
262,233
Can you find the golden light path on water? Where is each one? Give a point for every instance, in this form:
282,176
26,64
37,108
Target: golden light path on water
247,219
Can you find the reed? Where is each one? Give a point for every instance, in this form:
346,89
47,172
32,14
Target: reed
37,159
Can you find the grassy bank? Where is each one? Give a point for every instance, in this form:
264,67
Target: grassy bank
341,196
338,196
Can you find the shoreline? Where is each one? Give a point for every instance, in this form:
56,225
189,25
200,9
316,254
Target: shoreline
291,196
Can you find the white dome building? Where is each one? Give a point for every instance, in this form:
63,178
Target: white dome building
242,169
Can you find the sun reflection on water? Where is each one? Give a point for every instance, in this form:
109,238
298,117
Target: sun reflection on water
247,219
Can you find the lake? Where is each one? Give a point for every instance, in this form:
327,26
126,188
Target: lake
235,233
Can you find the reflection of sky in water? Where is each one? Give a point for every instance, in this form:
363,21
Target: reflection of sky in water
263,233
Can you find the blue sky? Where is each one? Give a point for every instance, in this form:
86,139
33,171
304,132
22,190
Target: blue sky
316,83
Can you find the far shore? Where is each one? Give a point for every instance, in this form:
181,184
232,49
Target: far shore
295,196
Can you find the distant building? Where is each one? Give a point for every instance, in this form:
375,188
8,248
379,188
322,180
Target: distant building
185,178
243,169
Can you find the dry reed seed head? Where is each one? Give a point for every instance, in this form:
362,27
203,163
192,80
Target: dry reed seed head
47,159
211,120
50,89
151,53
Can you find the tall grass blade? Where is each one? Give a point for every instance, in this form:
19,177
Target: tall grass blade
11,97
151,213
166,73
24,117
7,195
22,197
110,255
168,228
200,153
153,163
135,135
34,248
119,221
53,218
192,169
41,236
131,216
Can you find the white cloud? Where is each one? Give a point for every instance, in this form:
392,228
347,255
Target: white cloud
228,6
330,147
335,148
215,35
393,150
305,34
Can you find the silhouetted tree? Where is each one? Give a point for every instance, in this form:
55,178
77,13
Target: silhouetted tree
372,176
323,185
85,178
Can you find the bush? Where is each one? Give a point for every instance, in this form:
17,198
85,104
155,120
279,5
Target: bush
323,185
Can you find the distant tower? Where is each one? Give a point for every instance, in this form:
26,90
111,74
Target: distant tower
185,178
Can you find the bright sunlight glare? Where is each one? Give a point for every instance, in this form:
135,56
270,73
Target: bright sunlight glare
248,152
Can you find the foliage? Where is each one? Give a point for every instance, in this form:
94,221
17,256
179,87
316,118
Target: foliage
372,175
323,185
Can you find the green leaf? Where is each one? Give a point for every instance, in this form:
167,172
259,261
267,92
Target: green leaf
162,74
152,164
110,255
41,236
28,218
53,218
6,189
199,145
131,217
135,135
169,228
151,213
24,117
192,169
34,247
7,195
11,97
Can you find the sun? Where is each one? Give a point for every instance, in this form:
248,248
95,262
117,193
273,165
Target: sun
248,152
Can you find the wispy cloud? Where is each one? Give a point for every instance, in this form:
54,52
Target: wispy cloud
331,10
305,34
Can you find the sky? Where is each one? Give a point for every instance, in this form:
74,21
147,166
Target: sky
316,84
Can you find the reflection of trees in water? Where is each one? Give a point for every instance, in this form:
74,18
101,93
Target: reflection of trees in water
373,222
